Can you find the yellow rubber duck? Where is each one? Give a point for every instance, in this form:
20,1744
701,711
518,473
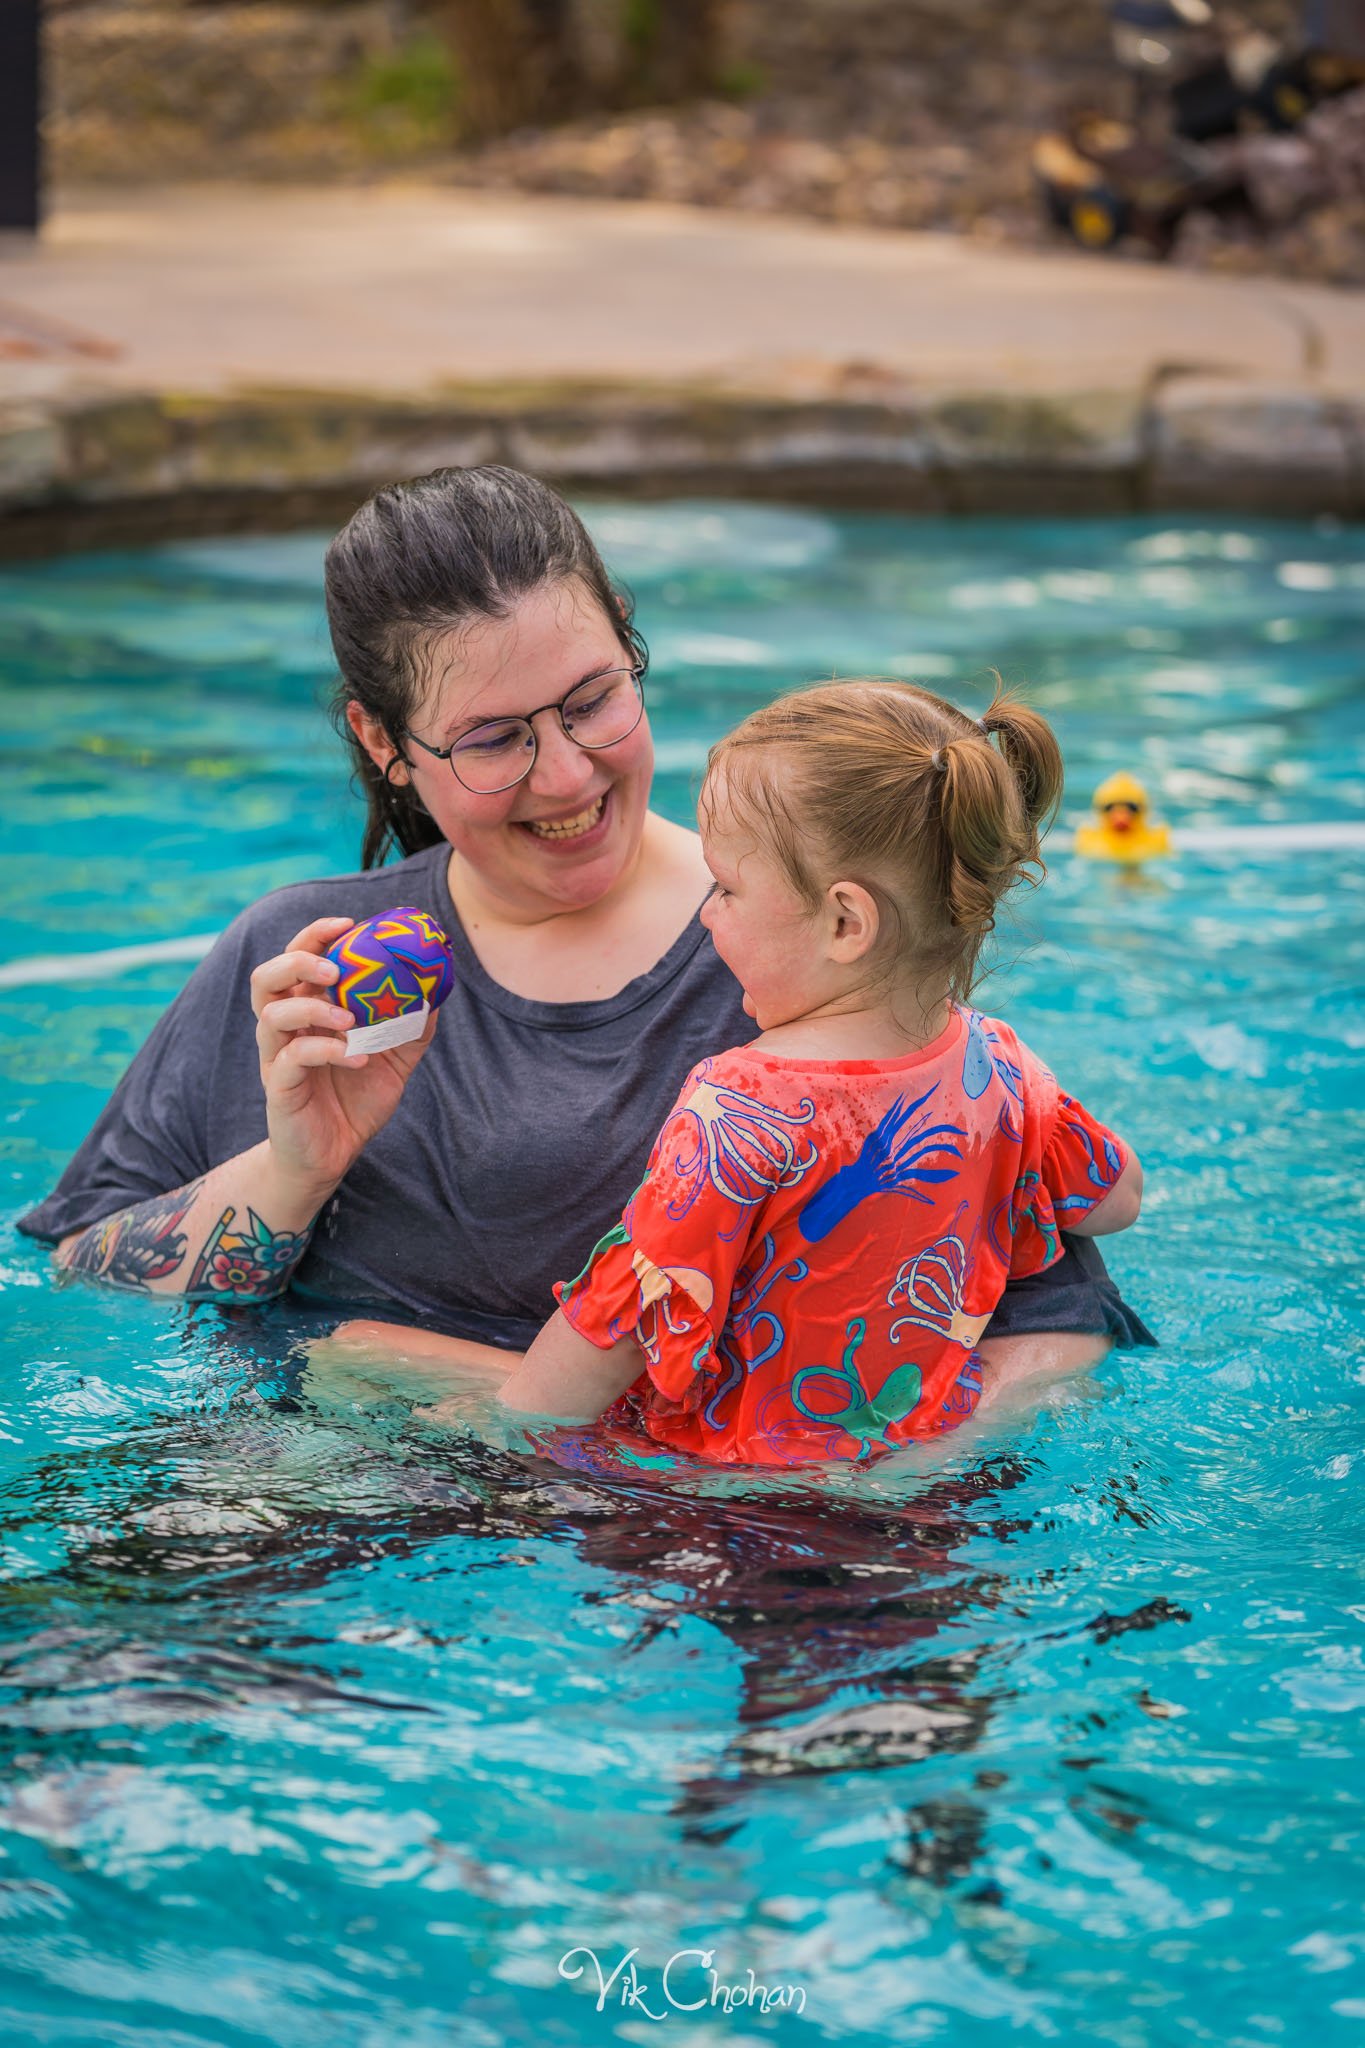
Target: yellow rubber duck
1122,831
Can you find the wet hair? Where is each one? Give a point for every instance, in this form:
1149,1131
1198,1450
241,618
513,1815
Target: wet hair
887,785
420,558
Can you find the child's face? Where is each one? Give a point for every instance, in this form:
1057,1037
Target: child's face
763,930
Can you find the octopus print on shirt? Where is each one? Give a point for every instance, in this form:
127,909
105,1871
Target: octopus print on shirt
817,1246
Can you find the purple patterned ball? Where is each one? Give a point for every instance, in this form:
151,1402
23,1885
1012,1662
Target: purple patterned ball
392,964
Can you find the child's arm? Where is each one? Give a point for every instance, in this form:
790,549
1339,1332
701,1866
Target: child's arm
1115,1210
563,1374
1091,1179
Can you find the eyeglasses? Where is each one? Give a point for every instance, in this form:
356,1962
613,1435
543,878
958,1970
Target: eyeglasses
499,753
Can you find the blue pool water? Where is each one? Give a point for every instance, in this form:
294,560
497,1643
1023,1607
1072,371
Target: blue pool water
322,1731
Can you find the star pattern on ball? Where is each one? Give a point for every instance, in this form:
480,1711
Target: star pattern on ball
391,965
385,999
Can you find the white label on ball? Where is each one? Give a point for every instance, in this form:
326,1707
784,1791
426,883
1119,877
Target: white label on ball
393,1031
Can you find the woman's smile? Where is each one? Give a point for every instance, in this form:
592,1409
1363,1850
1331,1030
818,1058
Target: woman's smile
582,828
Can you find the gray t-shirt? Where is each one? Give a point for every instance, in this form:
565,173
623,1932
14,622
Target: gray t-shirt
517,1143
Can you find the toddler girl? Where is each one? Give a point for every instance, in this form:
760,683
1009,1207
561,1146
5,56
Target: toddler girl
830,1213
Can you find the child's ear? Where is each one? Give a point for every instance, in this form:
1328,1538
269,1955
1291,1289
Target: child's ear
854,921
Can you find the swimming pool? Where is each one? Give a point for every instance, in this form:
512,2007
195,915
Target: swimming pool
321,1731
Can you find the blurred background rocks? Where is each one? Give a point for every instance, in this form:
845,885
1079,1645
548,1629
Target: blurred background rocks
144,90
887,113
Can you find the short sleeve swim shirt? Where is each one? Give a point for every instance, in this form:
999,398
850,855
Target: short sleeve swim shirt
816,1247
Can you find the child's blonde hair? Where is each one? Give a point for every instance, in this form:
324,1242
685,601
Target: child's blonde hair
888,785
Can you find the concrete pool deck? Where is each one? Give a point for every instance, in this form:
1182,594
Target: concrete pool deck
217,355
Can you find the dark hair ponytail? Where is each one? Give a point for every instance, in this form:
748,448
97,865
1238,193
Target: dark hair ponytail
419,558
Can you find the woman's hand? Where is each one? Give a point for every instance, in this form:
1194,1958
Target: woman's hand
322,1108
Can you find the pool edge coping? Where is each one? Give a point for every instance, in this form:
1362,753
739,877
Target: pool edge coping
104,466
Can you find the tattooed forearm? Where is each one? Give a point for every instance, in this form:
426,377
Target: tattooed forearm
146,1249
245,1264
137,1245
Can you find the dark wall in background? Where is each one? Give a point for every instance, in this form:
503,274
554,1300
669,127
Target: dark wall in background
18,113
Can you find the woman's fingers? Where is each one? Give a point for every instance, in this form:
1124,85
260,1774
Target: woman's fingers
320,934
298,1056
289,1016
302,965
288,974
301,1013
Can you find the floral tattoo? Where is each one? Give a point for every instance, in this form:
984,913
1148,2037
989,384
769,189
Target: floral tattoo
245,1264
144,1244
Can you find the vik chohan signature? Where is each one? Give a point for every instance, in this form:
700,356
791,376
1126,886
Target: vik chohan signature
689,1982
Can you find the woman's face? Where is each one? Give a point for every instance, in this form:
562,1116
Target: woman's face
562,838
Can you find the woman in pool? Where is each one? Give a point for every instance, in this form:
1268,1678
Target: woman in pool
447,1184
832,1211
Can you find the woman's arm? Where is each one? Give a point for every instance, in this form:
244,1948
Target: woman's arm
235,1234
561,1375
1117,1209
427,1349
238,1231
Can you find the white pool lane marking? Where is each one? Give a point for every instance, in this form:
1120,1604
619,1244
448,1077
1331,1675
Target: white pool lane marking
104,966
1329,836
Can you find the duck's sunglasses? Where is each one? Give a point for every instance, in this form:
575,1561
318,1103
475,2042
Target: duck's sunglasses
499,753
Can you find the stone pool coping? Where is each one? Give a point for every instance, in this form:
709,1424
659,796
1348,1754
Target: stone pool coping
213,359
125,467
